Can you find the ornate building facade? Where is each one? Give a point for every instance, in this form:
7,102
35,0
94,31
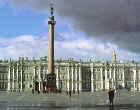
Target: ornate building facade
25,74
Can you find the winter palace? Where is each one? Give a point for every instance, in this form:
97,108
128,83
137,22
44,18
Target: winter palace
27,74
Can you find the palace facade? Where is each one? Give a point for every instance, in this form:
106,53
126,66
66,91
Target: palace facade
25,74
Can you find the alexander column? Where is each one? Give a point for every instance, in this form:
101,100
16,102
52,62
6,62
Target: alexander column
51,77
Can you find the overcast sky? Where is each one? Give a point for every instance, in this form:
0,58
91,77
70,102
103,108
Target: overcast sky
85,28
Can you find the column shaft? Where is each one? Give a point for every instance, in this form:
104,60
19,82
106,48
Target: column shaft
39,78
68,79
123,83
13,86
110,75
34,73
101,71
57,78
134,79
72,81
9,78
21,79
51,47
80,79
17,78
92,80
76,81
106,79
34,77
114,74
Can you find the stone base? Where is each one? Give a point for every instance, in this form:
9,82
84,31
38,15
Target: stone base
51,83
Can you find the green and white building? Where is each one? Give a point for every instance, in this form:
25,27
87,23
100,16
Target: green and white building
20,75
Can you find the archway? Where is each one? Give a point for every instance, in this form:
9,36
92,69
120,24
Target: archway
129,79
86,79
36,83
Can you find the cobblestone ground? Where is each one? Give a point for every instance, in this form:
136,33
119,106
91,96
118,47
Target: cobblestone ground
124,100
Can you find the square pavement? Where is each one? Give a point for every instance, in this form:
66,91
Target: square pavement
124,100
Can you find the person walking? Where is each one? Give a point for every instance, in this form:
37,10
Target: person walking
32,91
111,96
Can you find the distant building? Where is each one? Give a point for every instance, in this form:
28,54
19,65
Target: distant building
22,74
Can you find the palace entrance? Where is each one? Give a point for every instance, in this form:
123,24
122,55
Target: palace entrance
36,83
86,79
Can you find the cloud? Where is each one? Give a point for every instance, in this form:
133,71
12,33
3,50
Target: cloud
24,45
116,21
82,48
79,44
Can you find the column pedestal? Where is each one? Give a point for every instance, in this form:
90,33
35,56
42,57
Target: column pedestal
51,83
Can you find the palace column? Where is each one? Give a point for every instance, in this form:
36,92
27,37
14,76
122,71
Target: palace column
106,79
110,78
34,73
80,78
114,76
21,78
17,78
92,80
123,79
72,82
101,71
13,86
4,83
76,81
57,78
34,77
39,77
68,79
138,79
134,79
110,75
9,78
